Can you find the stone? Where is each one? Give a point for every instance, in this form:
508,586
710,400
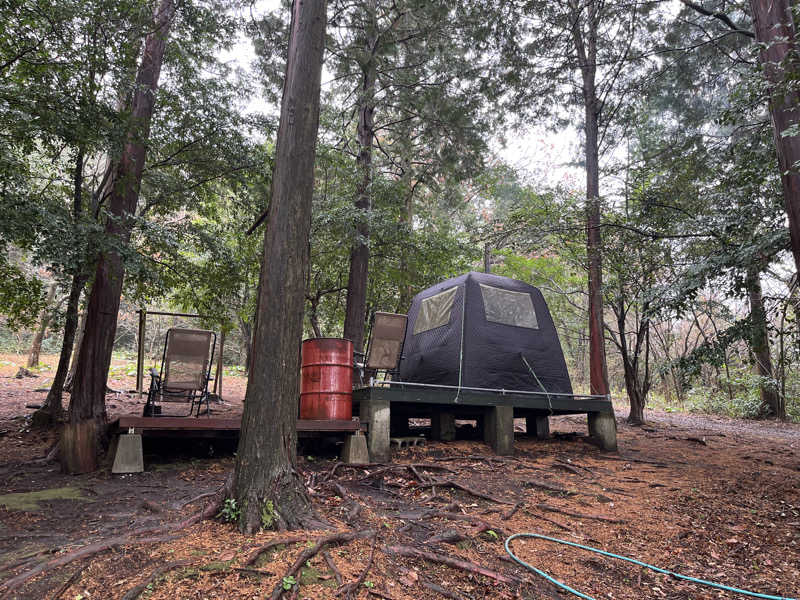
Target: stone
603,429
378,417
128,458
355,449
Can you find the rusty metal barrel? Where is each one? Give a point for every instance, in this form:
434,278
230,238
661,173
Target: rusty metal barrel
326,379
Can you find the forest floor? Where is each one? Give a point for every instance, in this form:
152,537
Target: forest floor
710,497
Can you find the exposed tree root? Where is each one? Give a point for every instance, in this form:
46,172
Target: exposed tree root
134,592
462,487
355,507
441,591
451,536
272,544
308,553
549,487
338,465
506,516
576,515
660,465
382,468
164,534
262,572
551,521
450,561
566,467
65,586
349,588
431,513
182,505
332,566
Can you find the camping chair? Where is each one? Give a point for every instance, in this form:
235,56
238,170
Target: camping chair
185,371
385,345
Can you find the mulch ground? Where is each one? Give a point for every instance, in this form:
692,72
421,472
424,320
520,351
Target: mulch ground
705,496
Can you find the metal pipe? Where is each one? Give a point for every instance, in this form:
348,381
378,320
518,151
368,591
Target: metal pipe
500,391
140,351
220,366
172,314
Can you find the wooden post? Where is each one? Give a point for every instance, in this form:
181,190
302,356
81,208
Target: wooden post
218,378
140,351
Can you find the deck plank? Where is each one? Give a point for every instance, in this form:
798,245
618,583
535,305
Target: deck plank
209,424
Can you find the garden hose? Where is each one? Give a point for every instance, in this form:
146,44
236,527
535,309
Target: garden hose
575,592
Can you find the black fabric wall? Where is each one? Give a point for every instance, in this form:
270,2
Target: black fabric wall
492,352
433,356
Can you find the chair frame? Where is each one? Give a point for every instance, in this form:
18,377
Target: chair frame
158,392
373,372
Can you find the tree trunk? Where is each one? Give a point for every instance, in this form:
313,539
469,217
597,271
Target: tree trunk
268,488
775,29
246,331
771,405
83,434
78,341
586,46
356,308
44,322
53,408
407,289
313,314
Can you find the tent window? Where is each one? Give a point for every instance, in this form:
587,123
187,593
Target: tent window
508,308
435,311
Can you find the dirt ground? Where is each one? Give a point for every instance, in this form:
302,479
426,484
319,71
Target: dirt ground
709,497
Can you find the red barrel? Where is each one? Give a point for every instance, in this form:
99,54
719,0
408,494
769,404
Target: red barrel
326,379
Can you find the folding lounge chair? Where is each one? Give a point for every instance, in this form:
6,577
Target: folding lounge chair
385,346
185,371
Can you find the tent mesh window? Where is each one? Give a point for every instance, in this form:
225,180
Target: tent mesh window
435,311
508,307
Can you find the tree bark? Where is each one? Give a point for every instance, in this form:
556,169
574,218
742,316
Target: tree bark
586,47
53,408
356,308
771,405
267,486
44,322
246,331
83,434
637,383
74,363
407,216
775,28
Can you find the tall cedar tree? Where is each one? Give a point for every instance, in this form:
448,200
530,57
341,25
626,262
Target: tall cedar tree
83,434
585,21
267,485
775,29
359,255
395,64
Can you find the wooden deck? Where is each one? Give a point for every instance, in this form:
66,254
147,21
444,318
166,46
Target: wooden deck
216,427
410,399
387,407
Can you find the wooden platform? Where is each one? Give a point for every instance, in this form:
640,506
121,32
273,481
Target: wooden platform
419,400
216,427
386,407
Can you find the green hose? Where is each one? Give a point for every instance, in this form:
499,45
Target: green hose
565,587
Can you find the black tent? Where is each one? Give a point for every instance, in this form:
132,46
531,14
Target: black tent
483,331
